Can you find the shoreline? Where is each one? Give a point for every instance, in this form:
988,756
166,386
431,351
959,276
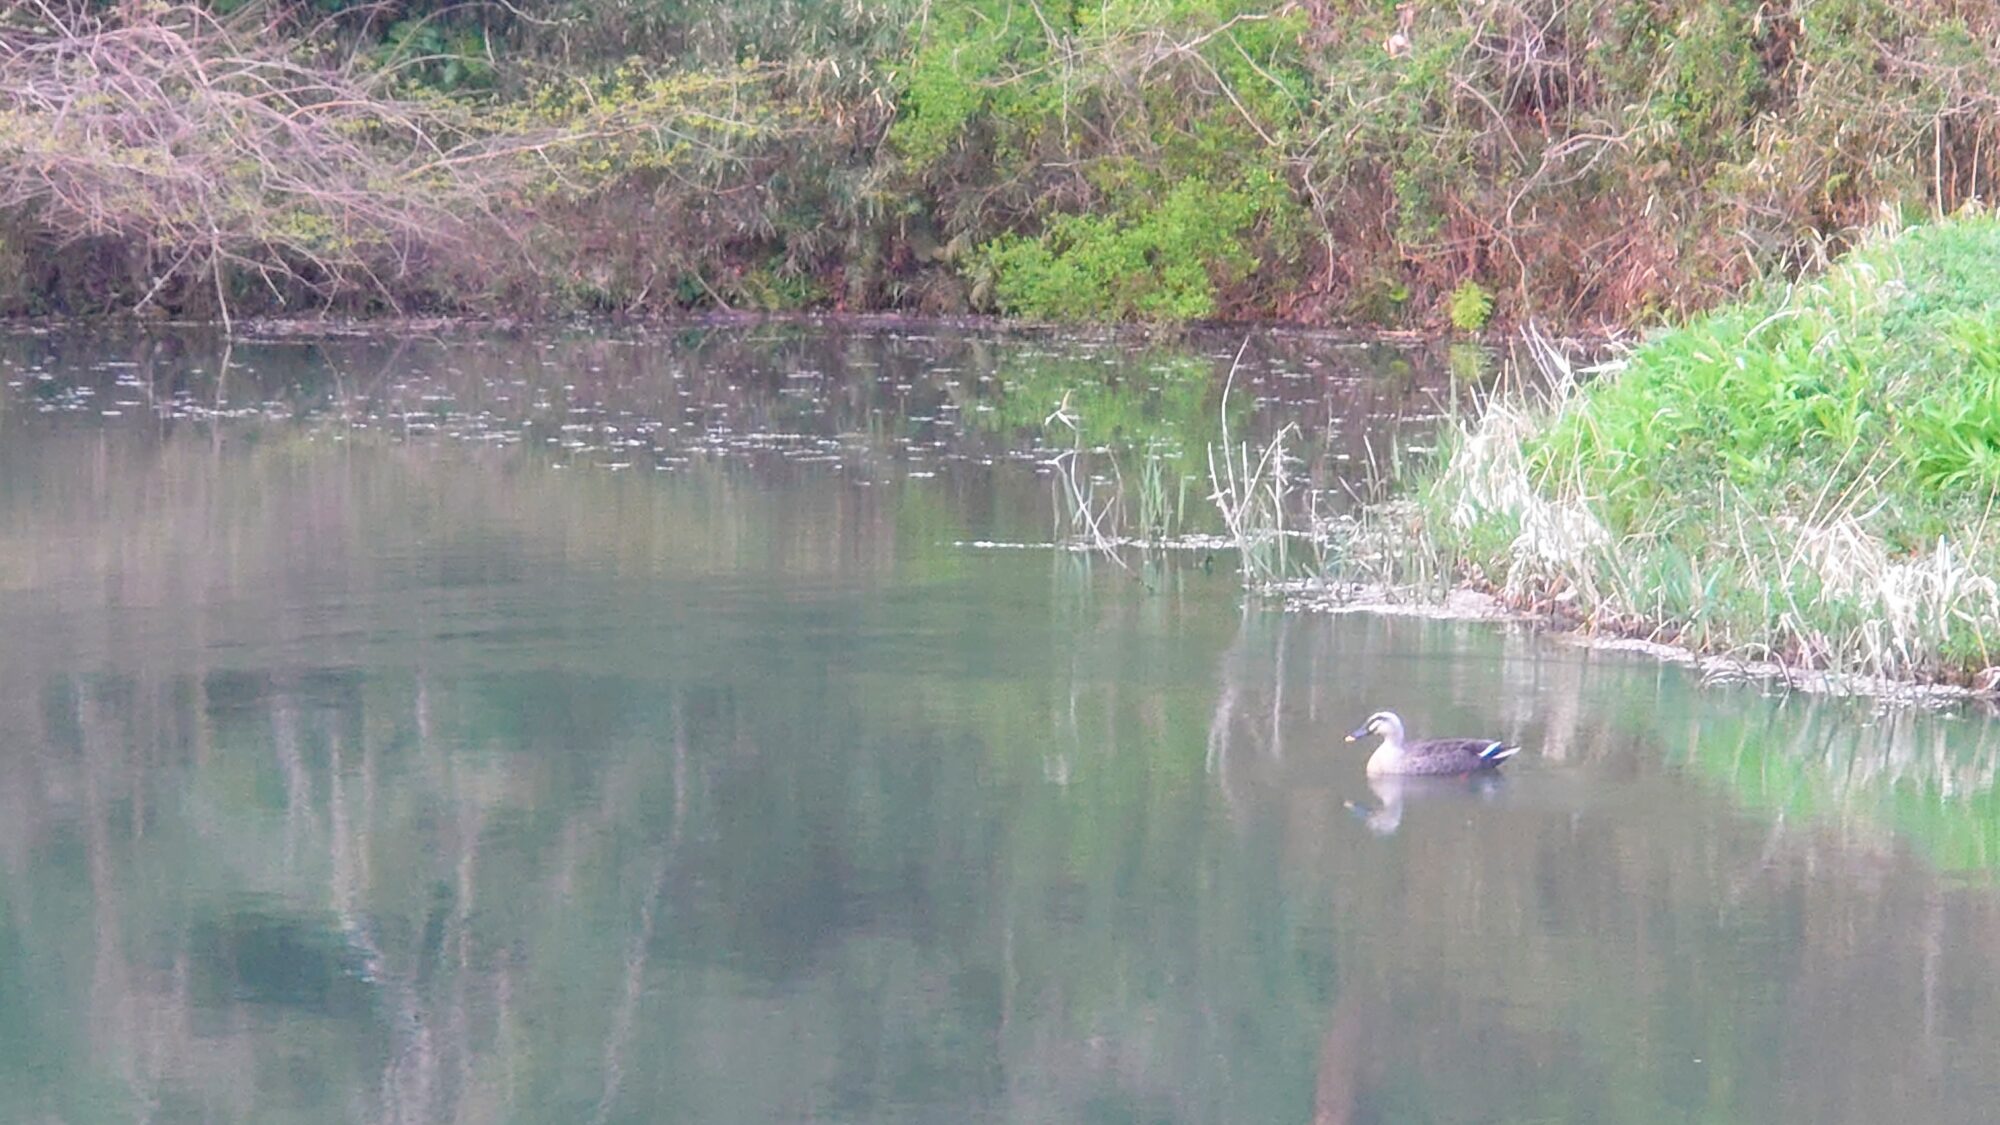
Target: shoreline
1465,604
1475,607
250,329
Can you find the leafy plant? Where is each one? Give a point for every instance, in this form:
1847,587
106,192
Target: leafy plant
1470,306
1159,262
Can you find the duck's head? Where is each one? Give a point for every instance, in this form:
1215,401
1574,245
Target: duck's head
1381,722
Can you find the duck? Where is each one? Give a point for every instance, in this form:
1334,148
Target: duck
1430,757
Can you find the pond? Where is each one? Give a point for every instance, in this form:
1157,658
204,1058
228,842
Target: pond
633,725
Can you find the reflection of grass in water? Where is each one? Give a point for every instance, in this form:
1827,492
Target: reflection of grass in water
1136,423
1162,496
1251,487
1160,400
1133,448
1130,436
1960,837
1824,766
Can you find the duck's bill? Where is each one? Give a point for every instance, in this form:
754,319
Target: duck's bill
1354,734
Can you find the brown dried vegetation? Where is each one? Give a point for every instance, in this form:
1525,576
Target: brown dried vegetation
1589,162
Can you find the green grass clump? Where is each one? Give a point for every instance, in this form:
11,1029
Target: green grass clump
1807,475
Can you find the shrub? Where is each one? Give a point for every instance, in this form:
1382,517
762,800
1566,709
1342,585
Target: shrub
1157,263
1470,306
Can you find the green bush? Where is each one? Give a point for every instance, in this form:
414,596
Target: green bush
1158,263
1470,306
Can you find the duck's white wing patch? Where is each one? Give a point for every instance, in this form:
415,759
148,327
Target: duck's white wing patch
1498,752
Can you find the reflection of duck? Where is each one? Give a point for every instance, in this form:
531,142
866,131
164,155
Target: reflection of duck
1387,815
1392,789
1430,756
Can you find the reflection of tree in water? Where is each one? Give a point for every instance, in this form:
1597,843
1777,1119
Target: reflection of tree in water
479,817
1585,942
478,896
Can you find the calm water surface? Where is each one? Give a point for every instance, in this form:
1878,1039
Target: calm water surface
617,727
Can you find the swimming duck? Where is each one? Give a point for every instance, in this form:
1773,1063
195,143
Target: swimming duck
1430,756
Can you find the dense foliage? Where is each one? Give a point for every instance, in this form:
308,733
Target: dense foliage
1586,161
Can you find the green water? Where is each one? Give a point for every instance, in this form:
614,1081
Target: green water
619,728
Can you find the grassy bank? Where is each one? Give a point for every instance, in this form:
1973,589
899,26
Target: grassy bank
1589,162
1807,476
